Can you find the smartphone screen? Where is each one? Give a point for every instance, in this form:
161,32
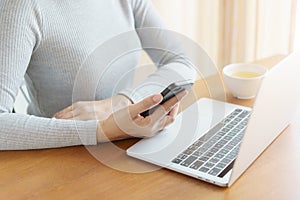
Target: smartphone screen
170,92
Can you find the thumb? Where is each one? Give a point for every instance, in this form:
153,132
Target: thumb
145,104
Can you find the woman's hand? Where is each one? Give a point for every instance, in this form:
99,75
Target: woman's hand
128,122
90,110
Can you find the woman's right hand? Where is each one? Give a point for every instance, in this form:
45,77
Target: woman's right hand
128,123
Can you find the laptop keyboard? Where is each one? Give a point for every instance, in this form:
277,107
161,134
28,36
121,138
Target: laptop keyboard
215,152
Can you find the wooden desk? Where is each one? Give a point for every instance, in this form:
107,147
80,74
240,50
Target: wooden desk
73,173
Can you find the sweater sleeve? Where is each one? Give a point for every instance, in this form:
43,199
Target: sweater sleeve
20,35
164,48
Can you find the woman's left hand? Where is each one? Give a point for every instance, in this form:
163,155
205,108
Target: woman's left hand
90,110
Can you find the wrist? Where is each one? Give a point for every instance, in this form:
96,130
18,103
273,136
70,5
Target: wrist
124,100
106,132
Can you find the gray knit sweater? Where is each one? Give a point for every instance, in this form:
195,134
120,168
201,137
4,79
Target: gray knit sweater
75,50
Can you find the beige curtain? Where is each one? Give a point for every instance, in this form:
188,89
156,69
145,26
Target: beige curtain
233,30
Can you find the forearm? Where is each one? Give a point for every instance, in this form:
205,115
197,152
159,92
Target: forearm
21,132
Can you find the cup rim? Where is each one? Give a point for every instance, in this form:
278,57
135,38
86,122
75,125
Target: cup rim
225,73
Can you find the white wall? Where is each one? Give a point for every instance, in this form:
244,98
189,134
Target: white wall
297,35
21,103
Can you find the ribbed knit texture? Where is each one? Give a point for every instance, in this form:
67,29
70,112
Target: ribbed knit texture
64,50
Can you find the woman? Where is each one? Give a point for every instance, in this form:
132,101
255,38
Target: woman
48,41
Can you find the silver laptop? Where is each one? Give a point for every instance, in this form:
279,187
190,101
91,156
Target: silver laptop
216,141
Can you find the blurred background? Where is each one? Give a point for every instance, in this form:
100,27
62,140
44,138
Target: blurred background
235,30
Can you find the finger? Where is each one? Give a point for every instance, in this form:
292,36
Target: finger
167,120
167,106
144,105
174,111
84,117
76,109
68,115
62,112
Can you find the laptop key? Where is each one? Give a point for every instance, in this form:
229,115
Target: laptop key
221,165
182,156
188,152
235,113
225,121
219,155
213,150
240,126
232,134
229,126
213,140
233,123
237,119
225,130
202,150
193,147
197,153
224,151
214,160
215,171
227,138
197,164
225,161
231,155
189,161
223,141
176,161
228,147
203,158
238,110
236,130
209,164
207,145
204,169
240,136
208,154
244,123
233,142
243,115
218,146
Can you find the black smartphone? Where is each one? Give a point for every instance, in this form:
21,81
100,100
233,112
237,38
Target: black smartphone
170,92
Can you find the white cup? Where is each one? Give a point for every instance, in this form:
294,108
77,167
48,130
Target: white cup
243,80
